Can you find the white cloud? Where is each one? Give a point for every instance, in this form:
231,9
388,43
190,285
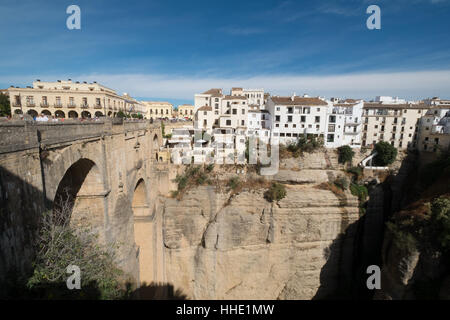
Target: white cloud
410,85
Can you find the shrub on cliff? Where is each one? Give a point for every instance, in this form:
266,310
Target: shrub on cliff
59,245
440,221
342,182
386,154
345,154
276,192
359,191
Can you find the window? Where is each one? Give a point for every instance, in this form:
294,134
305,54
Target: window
317,119
243,111
234,111
242,122
277,118
303,119
228,122
330,138
332,119
289,118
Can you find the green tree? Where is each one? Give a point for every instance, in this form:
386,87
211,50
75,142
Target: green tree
386,153
345,154
5,108
59,245
121,114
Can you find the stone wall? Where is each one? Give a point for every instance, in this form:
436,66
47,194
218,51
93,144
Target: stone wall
103,162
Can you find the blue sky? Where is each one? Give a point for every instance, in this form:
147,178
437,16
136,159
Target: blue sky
170,50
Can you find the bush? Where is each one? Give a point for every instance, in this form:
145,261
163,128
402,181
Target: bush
210,167
120,114
276,192
356,171
440,221
386,154
342,183
233,183
345,154
359,191
59,245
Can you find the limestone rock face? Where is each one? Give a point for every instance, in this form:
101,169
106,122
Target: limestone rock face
248,248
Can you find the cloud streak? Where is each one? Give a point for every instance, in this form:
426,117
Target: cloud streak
410,85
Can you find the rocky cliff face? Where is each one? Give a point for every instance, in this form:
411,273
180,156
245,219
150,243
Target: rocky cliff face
247,248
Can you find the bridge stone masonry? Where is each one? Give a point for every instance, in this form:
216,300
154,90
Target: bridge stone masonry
107,171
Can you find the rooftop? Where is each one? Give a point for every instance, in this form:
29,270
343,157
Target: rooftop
301,101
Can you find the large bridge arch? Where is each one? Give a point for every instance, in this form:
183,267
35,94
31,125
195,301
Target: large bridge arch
144,232
79,195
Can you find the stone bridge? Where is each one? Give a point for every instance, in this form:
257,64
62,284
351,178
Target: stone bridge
105,173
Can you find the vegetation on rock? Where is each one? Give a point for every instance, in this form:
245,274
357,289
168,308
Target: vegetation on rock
386,154
276,192
345,154
59,245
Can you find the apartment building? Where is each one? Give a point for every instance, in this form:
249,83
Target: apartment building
209,98
344,123
254,96
157,109
434,129
397,124
67,99
186,111
295,116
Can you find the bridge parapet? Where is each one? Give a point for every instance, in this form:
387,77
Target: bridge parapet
24,135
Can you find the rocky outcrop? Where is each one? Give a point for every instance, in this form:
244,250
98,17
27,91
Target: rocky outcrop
248,248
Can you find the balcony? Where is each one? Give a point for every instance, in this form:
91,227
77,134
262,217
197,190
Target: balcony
31,104
84,106
44,105
98,106
70,105
17,104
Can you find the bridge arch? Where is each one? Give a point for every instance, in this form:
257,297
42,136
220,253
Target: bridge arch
144,234
80,195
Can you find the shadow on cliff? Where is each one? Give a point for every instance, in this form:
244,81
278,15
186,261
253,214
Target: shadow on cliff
157,291
359,245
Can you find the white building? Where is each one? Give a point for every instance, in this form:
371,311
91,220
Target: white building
295,116
344,123
434,130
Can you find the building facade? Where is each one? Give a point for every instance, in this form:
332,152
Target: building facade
186,111
293,117
397,124
434,129
67,99
157,109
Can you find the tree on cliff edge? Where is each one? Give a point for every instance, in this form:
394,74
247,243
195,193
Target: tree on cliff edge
386,153
59,245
